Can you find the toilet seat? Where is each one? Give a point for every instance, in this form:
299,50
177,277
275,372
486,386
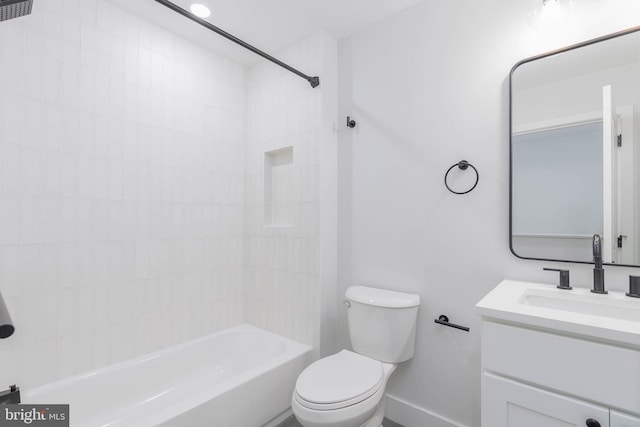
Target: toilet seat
338,381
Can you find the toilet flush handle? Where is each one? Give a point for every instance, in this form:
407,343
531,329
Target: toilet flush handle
347,303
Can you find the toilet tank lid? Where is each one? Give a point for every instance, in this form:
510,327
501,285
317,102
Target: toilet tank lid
382,297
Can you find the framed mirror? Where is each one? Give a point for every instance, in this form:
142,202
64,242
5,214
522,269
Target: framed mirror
574,155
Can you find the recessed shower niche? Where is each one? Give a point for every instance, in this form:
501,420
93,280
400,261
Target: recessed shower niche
278,187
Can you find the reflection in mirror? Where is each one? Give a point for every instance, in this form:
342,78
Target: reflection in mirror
573,152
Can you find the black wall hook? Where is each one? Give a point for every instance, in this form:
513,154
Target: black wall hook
350,122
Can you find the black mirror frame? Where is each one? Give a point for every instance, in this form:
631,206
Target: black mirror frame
513,69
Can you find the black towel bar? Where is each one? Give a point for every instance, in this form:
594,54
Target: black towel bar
444,320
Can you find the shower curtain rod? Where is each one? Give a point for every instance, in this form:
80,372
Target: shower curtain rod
313,81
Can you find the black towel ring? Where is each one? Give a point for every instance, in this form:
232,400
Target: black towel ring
463,165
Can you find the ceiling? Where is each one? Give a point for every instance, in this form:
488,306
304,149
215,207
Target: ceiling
269,25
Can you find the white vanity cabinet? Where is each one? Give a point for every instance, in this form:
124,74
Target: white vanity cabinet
559,358
533,378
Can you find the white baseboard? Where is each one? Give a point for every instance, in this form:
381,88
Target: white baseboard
279,419
410,415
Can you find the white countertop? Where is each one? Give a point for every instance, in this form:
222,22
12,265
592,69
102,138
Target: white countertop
613,317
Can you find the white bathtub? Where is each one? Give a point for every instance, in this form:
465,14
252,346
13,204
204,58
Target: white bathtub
239,377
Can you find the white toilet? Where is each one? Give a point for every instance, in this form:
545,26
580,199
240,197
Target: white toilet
346,389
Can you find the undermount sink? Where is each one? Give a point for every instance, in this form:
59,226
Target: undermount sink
611,317
591,304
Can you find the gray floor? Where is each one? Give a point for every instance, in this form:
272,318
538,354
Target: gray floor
292,422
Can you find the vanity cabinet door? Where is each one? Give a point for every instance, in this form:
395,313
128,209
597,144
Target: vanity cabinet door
618,419
508,403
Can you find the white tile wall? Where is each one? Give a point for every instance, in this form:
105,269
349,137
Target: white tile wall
121,189
283,278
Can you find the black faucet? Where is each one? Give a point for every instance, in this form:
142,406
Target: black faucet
598,271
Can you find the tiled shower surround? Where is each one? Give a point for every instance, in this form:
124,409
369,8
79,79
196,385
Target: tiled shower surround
283,277
130,185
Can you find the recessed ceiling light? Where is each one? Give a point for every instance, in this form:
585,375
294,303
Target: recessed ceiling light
200,10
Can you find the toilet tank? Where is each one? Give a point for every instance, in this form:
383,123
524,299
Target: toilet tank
382,323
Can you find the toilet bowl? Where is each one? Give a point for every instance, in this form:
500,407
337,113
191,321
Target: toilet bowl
347,389
342,390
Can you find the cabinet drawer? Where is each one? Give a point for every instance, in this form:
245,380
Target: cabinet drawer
590,370
507,403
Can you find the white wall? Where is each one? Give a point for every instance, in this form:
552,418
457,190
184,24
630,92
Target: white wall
121,190
565,99
429,87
